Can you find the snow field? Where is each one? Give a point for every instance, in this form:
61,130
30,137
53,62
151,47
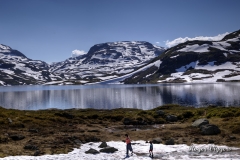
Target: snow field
141,148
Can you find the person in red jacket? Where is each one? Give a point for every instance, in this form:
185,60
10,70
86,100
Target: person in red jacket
129,146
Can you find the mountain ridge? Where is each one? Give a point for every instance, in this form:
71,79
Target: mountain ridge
130,62
105,60
205,59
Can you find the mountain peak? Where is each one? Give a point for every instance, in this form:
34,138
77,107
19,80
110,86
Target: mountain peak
232,35
4,47
108,60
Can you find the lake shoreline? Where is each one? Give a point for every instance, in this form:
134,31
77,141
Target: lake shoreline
55,131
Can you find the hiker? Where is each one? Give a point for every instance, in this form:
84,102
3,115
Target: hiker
128,145
151,149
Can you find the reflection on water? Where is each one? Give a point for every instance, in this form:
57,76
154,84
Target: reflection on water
117,96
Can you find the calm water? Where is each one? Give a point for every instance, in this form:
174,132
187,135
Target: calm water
116,96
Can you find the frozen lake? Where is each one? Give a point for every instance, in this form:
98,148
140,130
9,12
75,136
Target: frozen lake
117,96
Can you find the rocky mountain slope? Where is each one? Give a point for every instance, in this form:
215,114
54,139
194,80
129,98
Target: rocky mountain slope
130,62
106,61
195,61
102,62
17,69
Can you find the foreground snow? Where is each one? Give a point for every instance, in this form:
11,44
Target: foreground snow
204,151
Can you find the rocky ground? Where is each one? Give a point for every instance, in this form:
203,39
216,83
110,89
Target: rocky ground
59,131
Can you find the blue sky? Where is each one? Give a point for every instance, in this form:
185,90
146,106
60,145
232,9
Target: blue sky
50,30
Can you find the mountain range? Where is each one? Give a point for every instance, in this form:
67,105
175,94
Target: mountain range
130,62
195,61
102,62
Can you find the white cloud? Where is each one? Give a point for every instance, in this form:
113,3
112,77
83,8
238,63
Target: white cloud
76,53
157,42
182,40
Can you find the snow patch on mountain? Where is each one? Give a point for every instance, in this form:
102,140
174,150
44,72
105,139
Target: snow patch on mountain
211,67
184,68
227,72
195,48
120,80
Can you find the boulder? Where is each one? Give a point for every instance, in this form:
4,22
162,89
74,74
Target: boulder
157,140
141,122
171,118
169,142
103,145
17,137
30,147
211,141
160,112
232,137
37,153
200,122
33,130
92,151
209,129
109,150
77,141
127,121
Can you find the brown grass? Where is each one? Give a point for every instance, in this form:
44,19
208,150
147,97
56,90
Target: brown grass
59,131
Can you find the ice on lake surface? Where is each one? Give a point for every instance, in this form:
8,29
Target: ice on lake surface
141,148
119,96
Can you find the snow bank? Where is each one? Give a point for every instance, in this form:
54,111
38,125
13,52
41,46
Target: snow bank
140,148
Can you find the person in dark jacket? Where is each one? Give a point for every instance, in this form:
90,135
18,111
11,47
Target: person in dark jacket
151,149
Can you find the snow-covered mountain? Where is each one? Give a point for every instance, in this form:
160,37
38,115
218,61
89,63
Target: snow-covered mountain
106,61
130,62
102,62
195,61
17,69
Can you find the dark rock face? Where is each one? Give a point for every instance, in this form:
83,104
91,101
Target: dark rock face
92,151
103,145
210,129
109,150
171,118
200,122
169,65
